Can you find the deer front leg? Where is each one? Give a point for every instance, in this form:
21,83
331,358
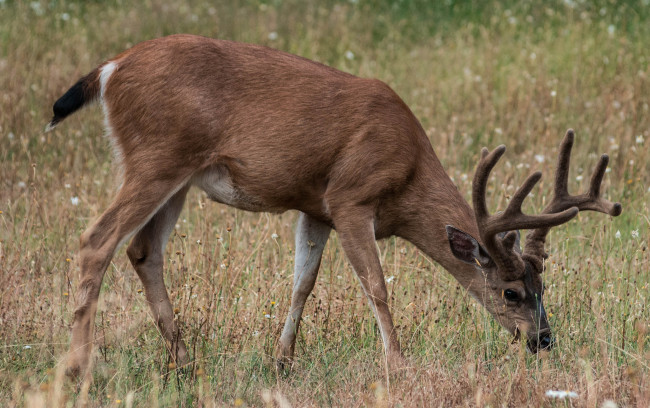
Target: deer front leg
146,255
357,235
311,237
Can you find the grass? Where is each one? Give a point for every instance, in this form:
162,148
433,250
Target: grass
518,73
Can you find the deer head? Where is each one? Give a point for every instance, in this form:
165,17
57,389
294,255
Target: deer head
513,289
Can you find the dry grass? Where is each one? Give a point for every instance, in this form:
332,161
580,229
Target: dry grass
518,74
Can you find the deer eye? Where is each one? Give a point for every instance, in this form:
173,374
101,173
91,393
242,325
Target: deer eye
510,295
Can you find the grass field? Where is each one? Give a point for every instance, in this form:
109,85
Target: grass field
514,72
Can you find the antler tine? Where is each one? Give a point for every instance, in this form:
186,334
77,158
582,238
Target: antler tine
561,188
479,185
599,203
562,201
597,177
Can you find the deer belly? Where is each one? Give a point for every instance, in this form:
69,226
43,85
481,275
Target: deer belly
219,186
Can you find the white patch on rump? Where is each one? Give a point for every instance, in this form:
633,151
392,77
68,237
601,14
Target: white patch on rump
105,73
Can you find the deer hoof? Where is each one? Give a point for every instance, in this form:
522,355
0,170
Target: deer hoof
283,360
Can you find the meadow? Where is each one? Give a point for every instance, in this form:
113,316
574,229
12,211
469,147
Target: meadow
475,74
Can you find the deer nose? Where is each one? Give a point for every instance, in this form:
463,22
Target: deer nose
544,342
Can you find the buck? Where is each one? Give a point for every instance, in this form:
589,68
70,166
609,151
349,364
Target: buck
263,130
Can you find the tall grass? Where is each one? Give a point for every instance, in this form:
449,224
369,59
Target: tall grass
517,73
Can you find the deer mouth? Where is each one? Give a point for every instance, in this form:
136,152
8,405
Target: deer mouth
542,341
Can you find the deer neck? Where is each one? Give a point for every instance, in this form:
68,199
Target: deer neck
432,203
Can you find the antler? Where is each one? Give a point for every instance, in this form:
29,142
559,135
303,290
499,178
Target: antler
501,249
534,250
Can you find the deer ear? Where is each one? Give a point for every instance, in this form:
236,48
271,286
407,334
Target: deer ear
466,248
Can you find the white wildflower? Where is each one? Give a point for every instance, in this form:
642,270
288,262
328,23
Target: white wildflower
274,236
222,266
390,279
609,404
349,55
21,184
37,8
273,35
74,200
27,347
611,29
498,131
561,394
618,234
579,178
553,93
639,139
539,158
635,233
65,16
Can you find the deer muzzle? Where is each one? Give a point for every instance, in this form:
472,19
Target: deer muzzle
542,338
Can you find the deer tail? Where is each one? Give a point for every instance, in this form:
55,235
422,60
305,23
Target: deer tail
84,92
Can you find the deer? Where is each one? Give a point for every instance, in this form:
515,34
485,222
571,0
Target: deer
266,131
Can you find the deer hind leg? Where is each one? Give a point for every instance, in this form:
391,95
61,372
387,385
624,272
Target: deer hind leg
356,233
311,237
137,201
146,255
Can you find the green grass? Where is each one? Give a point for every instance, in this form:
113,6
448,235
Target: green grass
517,73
